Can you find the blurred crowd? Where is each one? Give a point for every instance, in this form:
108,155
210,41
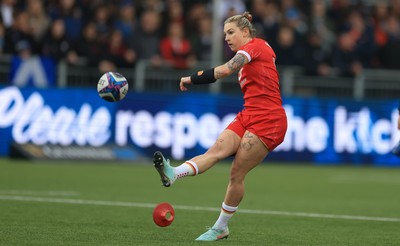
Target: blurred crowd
322,36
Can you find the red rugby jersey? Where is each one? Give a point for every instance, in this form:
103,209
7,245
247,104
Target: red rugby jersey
259,79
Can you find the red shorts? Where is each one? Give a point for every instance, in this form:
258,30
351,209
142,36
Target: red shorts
270,130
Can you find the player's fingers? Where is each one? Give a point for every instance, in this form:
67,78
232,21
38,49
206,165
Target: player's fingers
182,84
183,88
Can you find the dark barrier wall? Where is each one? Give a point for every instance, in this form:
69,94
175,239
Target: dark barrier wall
185,124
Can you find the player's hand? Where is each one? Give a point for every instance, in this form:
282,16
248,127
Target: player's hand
184,81
398,122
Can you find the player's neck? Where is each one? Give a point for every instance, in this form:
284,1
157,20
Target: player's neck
247,40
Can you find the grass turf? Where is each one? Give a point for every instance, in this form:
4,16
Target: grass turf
75,219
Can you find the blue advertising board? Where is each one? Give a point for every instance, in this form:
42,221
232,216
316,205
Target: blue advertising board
35,71
323,131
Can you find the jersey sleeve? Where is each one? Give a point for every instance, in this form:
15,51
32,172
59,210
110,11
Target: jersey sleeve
250,50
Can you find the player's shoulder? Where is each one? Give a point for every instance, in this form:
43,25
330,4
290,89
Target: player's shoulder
257,43
257,47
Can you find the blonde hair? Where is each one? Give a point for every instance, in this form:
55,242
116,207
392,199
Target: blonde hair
243,21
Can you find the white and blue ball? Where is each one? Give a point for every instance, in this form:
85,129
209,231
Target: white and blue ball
112,87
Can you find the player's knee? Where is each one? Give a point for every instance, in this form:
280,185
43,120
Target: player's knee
237,175
218,152
215,154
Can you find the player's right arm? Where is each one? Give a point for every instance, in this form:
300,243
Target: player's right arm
398,120
232,66
222,71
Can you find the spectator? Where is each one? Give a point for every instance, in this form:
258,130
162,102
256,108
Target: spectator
157,6
147,41
345,56
195,13
118,53
69,11
201,41
316,58
38,19
379,14
229,8
373,45
7,11
56,45
338,11
389,53
176,49
293,17
88,46
363,35
26,67
267,19
102,19
20,31
287,49
395,7
126,21
2,35
173,13
321,25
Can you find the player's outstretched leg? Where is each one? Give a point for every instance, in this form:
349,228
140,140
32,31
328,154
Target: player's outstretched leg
164,169
214,234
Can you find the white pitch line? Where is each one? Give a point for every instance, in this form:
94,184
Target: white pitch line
198,208
38,193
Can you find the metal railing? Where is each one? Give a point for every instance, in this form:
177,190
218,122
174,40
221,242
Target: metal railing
5,68
371,84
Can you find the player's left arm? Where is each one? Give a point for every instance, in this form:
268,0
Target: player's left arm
211,75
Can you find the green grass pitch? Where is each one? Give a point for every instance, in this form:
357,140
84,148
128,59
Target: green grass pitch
88,203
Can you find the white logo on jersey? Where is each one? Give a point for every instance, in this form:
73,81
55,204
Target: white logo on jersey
241,81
